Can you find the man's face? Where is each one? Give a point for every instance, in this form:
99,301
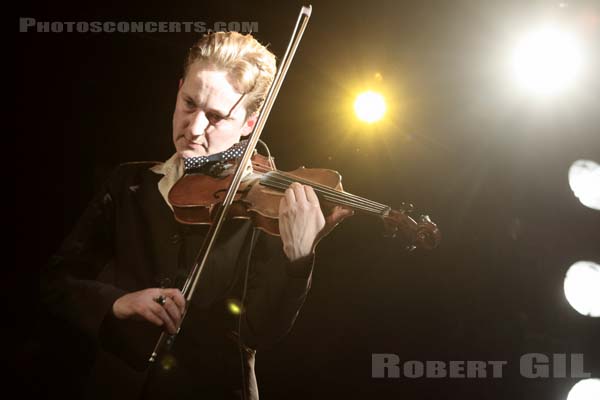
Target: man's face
208,116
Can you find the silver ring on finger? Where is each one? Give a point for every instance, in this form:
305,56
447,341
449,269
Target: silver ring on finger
162,300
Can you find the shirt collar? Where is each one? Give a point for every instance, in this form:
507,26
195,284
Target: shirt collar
172,169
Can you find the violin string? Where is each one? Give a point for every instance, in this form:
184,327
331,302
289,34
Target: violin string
335,196
333,192
329,195
283,186
356,200
340,200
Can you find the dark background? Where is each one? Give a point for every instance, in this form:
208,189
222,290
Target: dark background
488,164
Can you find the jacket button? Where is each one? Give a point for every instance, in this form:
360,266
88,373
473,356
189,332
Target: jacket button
175,238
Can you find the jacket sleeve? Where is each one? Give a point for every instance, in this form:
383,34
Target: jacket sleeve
68,286
276,290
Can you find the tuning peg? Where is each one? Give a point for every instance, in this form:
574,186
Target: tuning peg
424,219
404,207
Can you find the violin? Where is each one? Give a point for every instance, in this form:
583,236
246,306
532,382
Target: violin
259,194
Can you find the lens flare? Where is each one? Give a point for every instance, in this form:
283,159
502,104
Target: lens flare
547,61
584,180
582,288
369,107
234,306
586,389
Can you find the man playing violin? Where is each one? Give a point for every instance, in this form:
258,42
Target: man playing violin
119,272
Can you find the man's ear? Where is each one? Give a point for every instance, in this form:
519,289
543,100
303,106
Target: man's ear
180,82
249,124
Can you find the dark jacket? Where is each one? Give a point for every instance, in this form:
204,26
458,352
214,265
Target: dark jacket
128,240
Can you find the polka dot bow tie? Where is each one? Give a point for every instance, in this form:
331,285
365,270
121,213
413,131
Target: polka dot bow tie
193,164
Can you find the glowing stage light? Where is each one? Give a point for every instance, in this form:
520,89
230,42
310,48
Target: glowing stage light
582,288
584,179
234,306
586,389
369,107
168,362
547,61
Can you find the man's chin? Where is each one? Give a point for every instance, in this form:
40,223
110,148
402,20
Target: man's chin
187,153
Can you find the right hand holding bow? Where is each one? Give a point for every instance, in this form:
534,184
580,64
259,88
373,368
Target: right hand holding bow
162,307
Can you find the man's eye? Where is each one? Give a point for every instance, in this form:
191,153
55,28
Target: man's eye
190,104
214,118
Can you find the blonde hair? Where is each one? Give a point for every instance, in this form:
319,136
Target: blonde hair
249,65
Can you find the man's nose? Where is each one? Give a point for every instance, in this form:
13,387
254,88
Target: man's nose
199,124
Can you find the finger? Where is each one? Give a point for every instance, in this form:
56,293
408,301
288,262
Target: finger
345,213
283,206
149,316
339,213
161,313
299,193
169,323
290,196
173,311
177,297
310,194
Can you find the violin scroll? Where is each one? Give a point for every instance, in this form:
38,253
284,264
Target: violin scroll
424,234
428,234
